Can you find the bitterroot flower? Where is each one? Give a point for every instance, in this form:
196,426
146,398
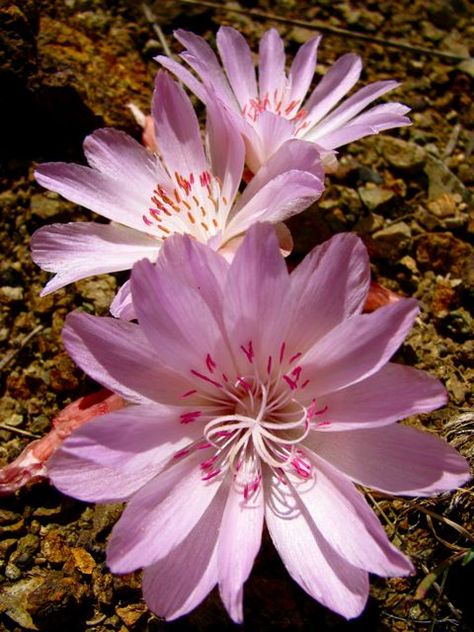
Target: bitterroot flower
256,396
275,108
151,197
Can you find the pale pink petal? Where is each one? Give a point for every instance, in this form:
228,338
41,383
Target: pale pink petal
117,355
179,582
357,348
160,516
122,158
347,523
239,541
329,285
183,75
176,319
133,439
122,305
281,198
271,67
292,155
383,116
80,249
89,481
302,70
257,305
391,394
115,199
227,151
350,108
395,459
337,82
272,131
202,59
177,128
309,558
197,266
237,61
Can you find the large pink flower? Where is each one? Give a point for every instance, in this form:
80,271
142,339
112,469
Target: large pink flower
276,108
150,197
255,395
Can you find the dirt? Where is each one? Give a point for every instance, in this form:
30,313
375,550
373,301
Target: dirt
69,67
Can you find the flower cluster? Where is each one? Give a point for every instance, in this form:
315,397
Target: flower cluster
251,395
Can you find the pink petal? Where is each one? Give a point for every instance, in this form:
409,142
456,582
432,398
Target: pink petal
337,82
281,198
302,70
197,266
239,541
357,348
227,150
309,558
122,158
330,285
347,523
202,59
271,68
177,129
176,319
395,459
80,249
257,298
117,355
350,108
237,61
118,200
160,516
264,138
183,75
89,481
178,583
122,305
391,394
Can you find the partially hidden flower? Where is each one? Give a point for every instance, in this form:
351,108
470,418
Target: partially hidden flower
184,190
255,395
276,107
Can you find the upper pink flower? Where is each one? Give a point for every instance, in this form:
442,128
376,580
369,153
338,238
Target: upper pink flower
255,395
185,190
275,108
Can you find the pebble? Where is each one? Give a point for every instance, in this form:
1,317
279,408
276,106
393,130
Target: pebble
25,551
391,241
375,197
9,295
402,155
132,613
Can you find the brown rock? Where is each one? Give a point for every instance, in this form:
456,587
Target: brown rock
390,242
405,156
442,252
55,548
132,613
83,561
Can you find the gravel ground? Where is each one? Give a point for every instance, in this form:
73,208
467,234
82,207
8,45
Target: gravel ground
68,67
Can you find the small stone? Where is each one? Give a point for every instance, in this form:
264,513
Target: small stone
9,295
442,253
443,205
83,561
405,156
442,180
7,516
25,550
375,197
391,241
132,613
54,547
300,35
12,571
443,298
46,205
467,66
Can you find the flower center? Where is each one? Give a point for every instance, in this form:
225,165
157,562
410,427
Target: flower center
253,420
276,102
193,206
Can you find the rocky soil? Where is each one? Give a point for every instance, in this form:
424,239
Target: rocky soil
70,66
